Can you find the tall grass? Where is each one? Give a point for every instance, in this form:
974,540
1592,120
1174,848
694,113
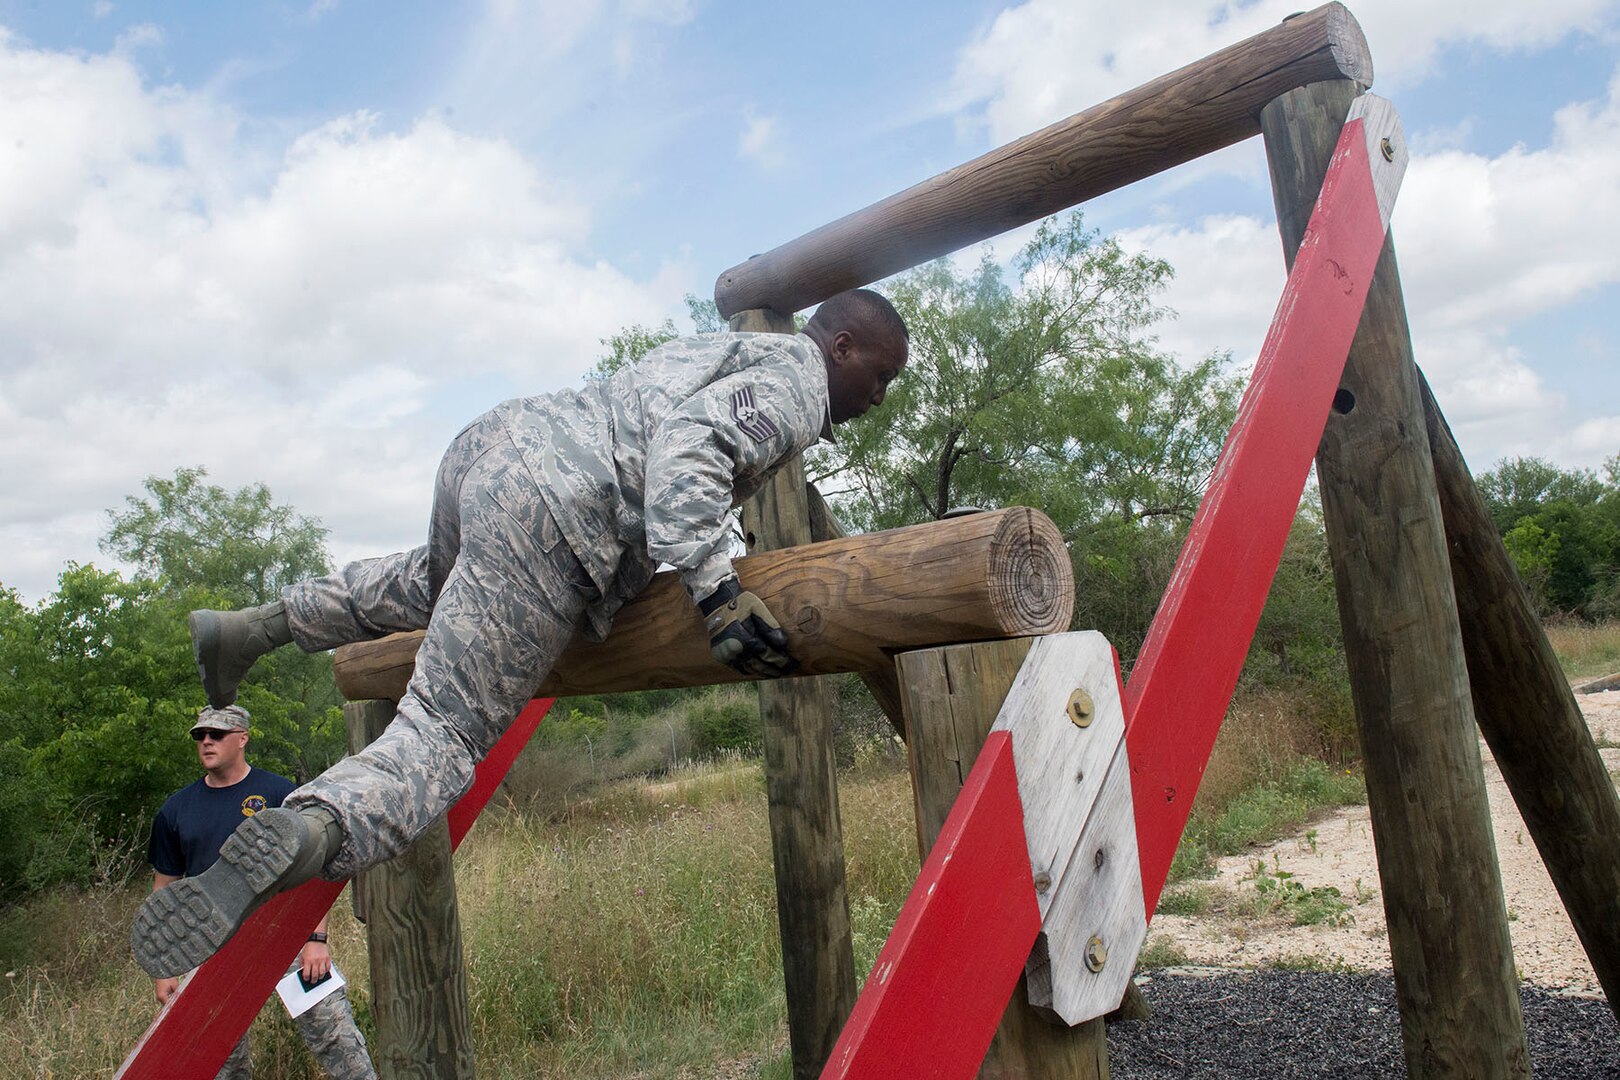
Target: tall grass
1586,650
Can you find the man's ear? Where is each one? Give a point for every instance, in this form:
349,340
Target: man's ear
840,345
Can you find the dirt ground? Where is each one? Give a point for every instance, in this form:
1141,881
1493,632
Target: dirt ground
1338,851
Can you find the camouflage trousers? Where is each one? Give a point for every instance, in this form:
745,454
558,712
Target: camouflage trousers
329,1032
500,595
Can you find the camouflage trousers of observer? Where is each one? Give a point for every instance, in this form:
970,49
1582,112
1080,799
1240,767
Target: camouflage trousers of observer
500,595
328,1030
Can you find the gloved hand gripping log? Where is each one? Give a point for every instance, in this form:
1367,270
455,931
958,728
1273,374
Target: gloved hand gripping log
743,634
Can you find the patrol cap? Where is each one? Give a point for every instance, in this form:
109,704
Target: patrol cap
230,718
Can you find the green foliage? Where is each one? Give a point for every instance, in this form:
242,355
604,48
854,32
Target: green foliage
633,342
726,720
1562,529
1262,812
1277,893
99,684
1046,390
239,544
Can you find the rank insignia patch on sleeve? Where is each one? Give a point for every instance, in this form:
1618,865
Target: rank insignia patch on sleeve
753,423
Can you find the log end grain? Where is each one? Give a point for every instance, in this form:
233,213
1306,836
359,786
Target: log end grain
1031,578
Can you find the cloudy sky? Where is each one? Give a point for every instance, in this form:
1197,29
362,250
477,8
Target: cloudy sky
302,243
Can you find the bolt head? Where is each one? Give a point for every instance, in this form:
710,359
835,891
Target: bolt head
1096,954
1387,148
1043,881
1081,709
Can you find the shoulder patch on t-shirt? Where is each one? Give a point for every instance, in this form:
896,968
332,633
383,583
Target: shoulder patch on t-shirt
750,421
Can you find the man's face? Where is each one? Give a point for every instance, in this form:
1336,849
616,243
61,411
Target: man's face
859,374
221,750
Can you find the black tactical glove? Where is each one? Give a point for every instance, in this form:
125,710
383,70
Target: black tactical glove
743,634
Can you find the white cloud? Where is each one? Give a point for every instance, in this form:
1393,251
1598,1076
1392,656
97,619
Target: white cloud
321,318
1043,60
761,141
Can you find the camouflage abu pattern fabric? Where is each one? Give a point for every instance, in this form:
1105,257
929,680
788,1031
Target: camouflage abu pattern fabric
510,600
643,467
328,1029
549,513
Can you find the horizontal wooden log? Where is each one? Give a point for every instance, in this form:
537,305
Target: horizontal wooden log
1209,104
847,605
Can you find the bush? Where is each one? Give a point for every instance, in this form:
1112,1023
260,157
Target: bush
725,719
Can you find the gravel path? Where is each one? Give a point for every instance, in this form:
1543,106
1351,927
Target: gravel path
1307,1025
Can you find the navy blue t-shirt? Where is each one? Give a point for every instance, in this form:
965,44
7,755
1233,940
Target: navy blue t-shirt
194,822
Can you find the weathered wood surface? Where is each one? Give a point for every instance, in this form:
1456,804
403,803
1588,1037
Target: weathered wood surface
195,1032
1597,686
1529,717
1454,975
801,787
882,683
413,937
1209,104
952,697
848,605
1183,679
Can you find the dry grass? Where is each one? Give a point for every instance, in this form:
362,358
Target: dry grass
630,932
1586,650
80,1004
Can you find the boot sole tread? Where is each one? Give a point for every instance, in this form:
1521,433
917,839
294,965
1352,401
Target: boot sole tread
180,926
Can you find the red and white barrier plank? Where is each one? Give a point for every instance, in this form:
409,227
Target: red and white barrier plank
1183,679
926,1010
197,1029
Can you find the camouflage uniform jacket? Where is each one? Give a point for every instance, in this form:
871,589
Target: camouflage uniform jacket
643,467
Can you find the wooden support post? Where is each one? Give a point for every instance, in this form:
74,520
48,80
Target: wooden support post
1454,975
413,935
1528,714
951,697
801,782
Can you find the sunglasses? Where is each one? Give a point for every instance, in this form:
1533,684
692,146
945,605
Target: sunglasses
209,733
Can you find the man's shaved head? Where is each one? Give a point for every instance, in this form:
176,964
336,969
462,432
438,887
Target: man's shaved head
862,312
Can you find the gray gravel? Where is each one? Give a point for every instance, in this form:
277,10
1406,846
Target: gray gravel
1304,1025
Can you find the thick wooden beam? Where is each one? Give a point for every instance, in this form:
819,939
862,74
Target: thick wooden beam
801,787
848,605
413,937
1209,104
952,696
1454,975
1527,711
883,684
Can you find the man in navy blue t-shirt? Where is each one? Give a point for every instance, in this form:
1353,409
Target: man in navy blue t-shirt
186,838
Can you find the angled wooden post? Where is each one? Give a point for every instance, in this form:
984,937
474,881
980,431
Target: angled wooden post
801,782
1529,717
1454,974
413,937
952,696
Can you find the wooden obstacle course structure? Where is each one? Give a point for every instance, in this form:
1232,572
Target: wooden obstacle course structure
1379,460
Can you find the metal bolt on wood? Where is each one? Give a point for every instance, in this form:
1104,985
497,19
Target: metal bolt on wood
1387,148
1096,954
1043,881
1081,708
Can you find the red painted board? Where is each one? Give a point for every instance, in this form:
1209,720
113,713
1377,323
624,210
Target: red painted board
937,992
1183,679
195,1032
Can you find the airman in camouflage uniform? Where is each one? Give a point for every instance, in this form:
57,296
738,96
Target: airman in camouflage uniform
549,513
